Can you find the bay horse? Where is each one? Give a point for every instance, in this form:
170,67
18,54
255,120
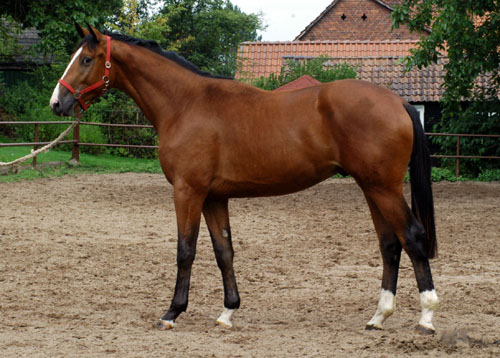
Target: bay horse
221,139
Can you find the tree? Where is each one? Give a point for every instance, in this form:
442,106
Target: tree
208,32
54,19
467,33
137,20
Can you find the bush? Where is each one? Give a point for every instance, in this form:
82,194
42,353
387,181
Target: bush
315,68
489,175
118,108
440,174
474,118
29,101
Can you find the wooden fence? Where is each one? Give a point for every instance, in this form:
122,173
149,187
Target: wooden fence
77,144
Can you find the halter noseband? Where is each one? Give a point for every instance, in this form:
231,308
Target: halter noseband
103,82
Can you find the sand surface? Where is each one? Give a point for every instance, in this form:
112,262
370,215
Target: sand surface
87,266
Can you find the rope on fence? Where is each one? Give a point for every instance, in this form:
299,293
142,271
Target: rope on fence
45,148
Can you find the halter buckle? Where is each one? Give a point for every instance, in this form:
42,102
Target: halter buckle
107,64
76,95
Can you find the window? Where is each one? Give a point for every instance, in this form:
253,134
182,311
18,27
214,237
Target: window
421,112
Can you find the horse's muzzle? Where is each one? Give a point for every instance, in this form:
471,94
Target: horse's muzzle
63,108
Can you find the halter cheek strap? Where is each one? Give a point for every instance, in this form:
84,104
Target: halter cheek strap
103,82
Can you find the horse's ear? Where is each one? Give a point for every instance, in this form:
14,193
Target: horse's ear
93,32
81,32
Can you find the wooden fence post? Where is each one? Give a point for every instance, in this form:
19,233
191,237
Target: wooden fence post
35,147
76,147
457,172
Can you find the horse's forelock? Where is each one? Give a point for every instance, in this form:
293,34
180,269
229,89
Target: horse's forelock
88,40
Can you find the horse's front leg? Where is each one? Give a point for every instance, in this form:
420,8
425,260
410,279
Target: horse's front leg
217,218
188,206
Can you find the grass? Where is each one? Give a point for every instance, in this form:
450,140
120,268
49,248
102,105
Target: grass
103,163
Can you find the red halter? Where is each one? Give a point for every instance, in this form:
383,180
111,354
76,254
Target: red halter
104,81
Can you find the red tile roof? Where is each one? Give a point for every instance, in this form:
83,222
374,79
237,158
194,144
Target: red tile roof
301,82
376,62
414,86
257,59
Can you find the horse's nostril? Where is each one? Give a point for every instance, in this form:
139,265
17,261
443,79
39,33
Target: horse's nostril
56,107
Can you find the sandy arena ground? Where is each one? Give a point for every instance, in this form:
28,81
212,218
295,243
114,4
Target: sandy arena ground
87,266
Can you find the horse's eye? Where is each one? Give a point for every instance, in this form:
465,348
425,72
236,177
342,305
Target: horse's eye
86,61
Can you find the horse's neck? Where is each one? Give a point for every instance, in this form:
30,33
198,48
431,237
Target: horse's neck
158,86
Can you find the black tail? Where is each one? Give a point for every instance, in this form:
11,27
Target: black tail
422,203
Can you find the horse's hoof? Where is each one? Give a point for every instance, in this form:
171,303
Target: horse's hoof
164,325
371,327
224,323
424,330
225,318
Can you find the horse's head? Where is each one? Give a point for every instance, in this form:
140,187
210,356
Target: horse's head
87,74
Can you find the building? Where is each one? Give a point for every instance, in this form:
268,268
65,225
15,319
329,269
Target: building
356,20
360,33
16,64
301,82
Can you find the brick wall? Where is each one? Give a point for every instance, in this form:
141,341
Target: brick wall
345,22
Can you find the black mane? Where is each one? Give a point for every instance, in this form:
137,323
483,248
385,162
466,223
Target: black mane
152,46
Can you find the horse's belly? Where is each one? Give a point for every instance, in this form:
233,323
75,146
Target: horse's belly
273,181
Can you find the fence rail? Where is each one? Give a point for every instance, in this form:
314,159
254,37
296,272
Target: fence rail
458,156
77,144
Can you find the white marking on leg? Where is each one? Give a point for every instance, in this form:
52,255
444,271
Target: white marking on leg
385,308
225,234
55,95
225,318
167,323
429,302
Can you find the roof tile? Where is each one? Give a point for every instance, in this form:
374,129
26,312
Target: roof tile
301,82
376,61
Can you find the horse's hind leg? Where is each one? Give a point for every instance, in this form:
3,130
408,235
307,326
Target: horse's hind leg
394,219
217,218
390,248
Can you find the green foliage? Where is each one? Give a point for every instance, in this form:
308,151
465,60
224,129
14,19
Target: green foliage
467,32
117,108
448,174
29,101
131,17
440,174
208,32
54,20
9,29
315,68
135,19
476,118
489,175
